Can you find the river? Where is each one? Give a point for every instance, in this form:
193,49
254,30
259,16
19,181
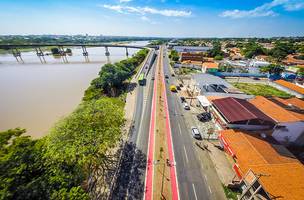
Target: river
34,95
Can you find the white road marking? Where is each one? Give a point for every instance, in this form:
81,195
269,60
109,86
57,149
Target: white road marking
186,154
210,190
206,177
194,191
180,130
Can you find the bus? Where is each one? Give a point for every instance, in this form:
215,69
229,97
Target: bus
141,79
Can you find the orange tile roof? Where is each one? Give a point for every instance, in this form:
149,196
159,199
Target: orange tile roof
210,65
291,86
283,172
297,108
273,110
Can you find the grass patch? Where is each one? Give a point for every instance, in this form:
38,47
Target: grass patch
186,71
230,194
261,90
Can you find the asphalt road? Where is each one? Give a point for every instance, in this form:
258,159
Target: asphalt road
190,179
131,176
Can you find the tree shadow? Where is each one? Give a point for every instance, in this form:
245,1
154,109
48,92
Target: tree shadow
130,177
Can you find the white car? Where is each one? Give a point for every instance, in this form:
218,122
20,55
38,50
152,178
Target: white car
195,133
186,106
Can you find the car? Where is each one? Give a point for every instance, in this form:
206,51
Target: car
166,76
256,78
173,88
181,85
186,106
195,133
178,88
183,99
173,75
152,78
203,117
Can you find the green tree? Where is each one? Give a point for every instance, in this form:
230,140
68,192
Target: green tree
272,69
252,49
55,51
85,137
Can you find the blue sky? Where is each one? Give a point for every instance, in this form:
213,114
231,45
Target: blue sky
173,18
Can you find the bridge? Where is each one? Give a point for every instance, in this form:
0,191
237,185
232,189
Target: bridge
15,49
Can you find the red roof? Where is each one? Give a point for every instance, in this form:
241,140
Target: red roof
235,110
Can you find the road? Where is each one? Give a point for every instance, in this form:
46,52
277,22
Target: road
131,176
191,175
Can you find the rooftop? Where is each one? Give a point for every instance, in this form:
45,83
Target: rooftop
283,173
235,110
210,65
273,110
290,86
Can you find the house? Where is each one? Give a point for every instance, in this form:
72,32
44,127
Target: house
265,168
291,60
289,87
208,67
288,116
238,113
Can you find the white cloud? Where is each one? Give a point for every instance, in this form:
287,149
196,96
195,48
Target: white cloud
148,10
266,9
124,1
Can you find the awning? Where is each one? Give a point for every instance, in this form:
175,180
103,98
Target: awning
203,101
226,145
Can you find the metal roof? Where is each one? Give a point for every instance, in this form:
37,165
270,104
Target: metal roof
235,110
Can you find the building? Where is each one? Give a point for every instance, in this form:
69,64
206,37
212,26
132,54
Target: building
289,87
192,56
210,85
291,60
240,114
289,118
210,67
266,169
191,49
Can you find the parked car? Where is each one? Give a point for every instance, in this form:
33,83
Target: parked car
166,76
183,99
203,117
256,78
186,106
195,133
178,88
181,85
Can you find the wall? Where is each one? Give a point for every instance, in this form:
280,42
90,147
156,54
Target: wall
294,131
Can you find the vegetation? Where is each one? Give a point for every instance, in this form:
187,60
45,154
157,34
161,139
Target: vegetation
216,51
261,90
174,55
281,50
272,69
112,77
231,194
158,42
225,68
67,163
252,49
185,71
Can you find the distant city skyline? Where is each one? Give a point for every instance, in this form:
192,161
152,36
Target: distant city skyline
157,18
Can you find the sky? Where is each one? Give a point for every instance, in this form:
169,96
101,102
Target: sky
161,18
